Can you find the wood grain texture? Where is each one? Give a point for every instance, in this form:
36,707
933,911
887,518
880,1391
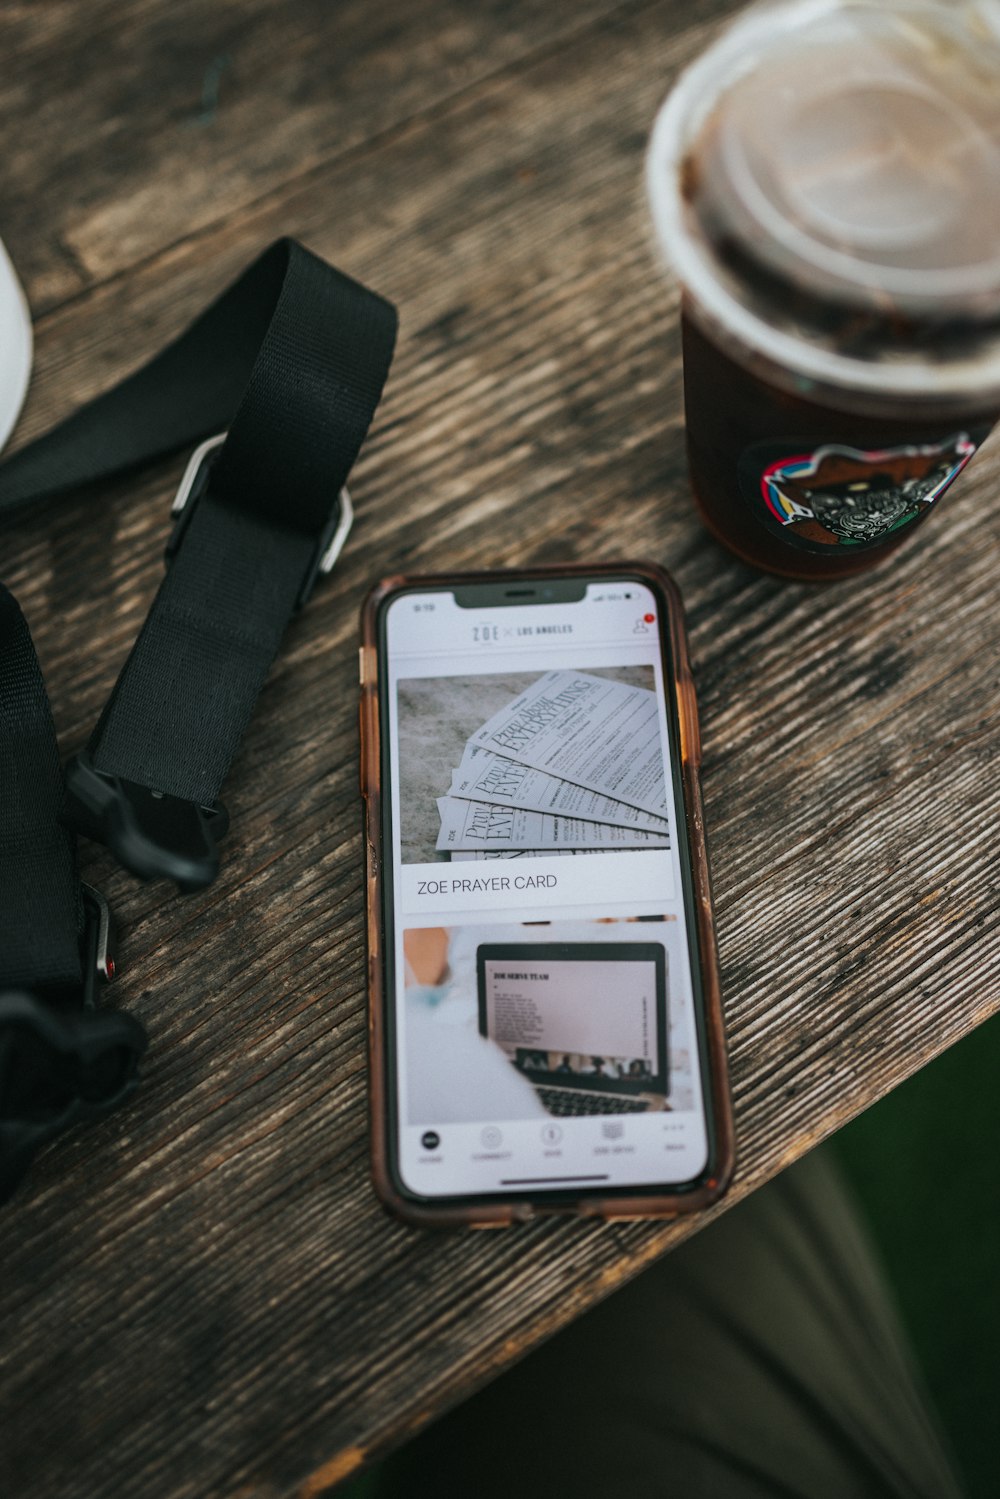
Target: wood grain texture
200,1296
138,124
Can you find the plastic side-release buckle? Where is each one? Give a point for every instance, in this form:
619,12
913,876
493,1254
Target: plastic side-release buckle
194,485
63,1065
151,833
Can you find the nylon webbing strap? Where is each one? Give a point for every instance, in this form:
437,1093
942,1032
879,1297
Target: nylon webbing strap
41,911
292,359
60,1062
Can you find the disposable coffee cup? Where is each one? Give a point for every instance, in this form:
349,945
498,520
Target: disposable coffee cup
825,181
15,346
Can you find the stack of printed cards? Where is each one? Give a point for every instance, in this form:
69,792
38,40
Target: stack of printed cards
572,765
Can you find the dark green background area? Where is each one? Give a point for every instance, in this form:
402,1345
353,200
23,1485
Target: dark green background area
925,1167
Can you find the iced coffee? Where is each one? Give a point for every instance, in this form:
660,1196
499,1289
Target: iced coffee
826,183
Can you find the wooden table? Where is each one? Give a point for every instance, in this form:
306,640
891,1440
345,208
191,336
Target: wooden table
201,1296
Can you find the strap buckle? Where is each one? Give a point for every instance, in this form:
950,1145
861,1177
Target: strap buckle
98,944
151,833
61,1066
194,484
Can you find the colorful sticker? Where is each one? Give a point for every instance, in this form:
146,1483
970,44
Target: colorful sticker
818,495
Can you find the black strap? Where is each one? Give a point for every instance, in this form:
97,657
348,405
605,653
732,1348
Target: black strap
41,908
293,355
292,358
60,1061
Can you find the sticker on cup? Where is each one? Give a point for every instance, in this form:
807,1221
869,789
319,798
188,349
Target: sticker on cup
818,494
824,182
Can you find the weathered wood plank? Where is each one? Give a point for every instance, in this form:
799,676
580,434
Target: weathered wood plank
210,1268
128,128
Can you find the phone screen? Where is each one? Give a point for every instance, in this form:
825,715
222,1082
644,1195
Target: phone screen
545,1026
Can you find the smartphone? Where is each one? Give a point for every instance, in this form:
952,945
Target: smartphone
545,1019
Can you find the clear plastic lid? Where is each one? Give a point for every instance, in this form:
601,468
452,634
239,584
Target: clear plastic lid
826,180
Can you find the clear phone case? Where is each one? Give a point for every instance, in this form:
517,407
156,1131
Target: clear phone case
636,1203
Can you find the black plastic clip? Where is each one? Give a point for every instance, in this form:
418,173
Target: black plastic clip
63,1063
151,833
194,485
